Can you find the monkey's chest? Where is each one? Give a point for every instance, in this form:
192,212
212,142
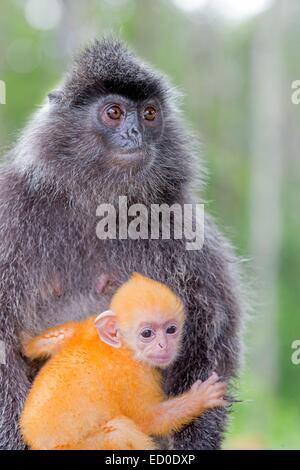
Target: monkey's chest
83,276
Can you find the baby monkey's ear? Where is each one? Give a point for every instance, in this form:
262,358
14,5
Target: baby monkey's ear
106,325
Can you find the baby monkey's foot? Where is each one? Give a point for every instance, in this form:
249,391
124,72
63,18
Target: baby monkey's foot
211,392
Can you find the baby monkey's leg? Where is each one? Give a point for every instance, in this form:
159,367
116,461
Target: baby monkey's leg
117,434
172,414
123,434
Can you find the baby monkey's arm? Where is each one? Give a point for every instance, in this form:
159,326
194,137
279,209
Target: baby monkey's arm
172,414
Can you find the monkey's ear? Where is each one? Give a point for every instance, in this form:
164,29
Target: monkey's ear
55,96
106,325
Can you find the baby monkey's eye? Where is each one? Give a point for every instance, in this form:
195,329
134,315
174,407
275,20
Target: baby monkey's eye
171,330
147,333
150,113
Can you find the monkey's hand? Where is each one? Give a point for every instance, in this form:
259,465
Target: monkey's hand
210,393
172,414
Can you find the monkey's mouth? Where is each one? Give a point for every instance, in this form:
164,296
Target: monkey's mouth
130,157
132,154
160,360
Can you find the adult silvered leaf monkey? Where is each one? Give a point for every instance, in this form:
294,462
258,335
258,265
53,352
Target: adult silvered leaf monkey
111,129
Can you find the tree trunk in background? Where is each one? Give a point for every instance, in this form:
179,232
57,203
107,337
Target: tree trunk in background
266,184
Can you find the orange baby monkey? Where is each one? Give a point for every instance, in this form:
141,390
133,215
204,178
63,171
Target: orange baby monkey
107,394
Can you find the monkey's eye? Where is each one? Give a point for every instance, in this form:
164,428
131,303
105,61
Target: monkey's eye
171,330
112,115
114,112
147,333
150,113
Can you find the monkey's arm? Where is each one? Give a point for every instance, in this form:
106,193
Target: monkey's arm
171,415
49,342
14,375
18,301
14,371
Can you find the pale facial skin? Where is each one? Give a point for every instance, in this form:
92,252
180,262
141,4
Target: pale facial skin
156,343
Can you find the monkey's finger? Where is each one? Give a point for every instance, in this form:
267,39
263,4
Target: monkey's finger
217,394
211,381
214,378
197,385
221,378
217,389
218,386
217,403
233,400
198,382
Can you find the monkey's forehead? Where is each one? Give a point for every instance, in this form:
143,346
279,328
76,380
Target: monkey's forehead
108,66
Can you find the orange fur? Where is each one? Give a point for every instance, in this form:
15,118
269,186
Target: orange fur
92,396
49,342
141,294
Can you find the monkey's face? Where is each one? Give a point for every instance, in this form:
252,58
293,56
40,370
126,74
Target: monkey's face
127,131
113,128
158,343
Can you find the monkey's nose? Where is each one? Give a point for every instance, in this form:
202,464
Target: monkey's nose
134,134
133,131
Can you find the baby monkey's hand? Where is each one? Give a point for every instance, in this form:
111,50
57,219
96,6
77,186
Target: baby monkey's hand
210,394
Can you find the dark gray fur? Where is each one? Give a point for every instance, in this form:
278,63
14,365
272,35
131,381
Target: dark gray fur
50,186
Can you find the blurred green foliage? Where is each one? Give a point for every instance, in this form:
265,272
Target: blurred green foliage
210,59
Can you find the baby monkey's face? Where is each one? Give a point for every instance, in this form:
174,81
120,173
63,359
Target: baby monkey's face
158,343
